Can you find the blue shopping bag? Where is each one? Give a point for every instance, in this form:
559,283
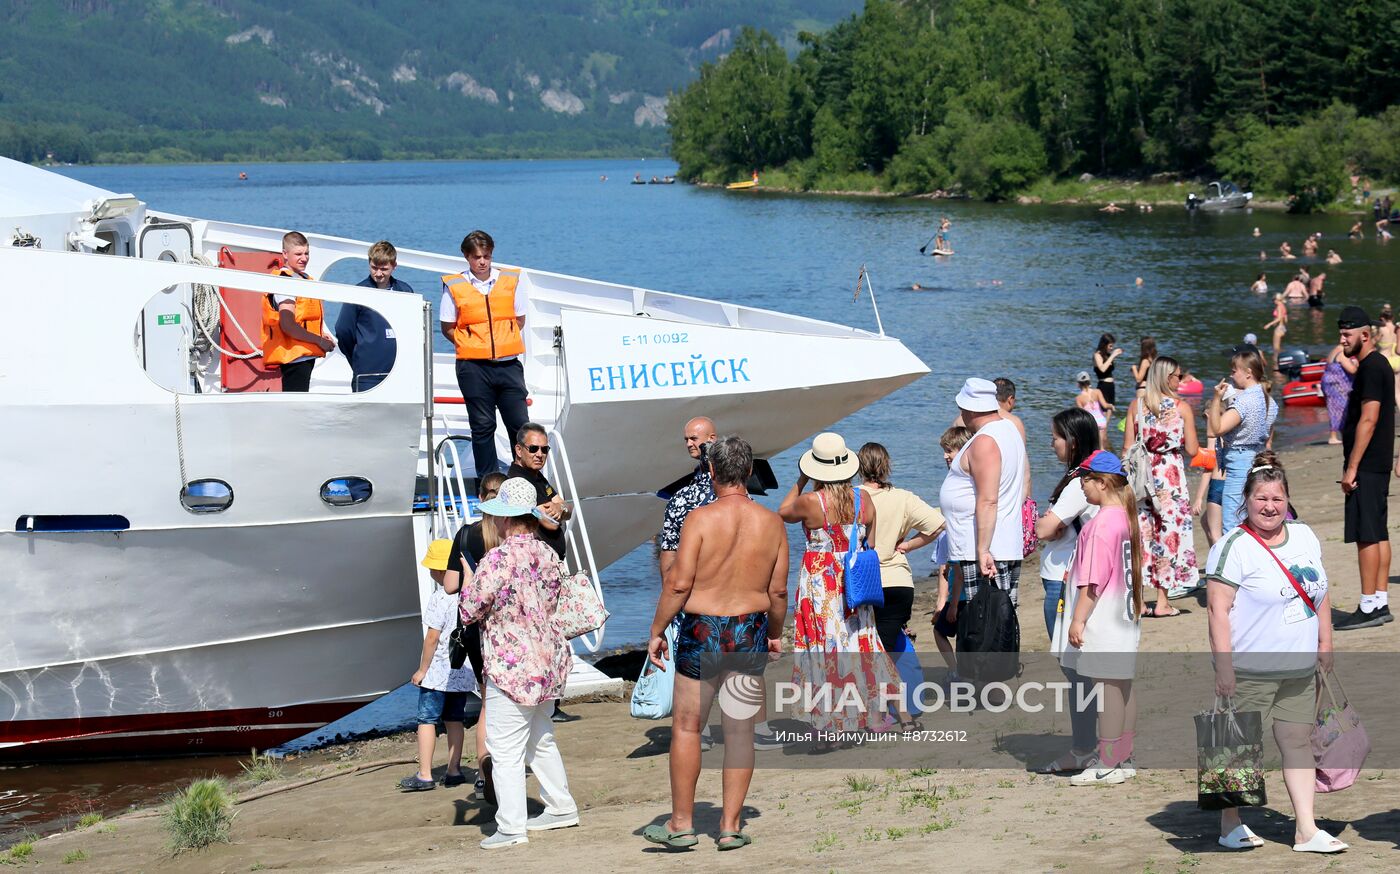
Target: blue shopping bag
651,697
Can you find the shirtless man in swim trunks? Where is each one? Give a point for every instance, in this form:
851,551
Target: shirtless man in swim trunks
728,585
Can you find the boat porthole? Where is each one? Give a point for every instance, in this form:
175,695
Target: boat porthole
346,491
206,496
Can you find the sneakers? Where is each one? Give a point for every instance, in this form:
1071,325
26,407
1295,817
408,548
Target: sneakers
548,821
561,716
414,783
1358,619
1097,776
450,780
499,841
763,741
1129,769
1384,611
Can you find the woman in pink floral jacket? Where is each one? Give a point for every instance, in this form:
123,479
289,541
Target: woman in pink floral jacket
526,660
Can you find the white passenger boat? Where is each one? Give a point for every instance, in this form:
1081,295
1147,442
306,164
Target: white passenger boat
199,563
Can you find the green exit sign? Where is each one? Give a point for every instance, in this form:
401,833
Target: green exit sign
168,319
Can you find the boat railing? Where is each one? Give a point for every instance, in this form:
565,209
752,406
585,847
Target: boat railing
578,560
451,510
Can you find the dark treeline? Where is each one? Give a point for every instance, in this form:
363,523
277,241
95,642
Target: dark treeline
987,96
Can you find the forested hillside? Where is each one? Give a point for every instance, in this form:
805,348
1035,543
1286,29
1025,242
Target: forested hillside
237,79
987,96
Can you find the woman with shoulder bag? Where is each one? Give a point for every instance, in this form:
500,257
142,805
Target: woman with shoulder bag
526,660
1270,633
834,643
471,543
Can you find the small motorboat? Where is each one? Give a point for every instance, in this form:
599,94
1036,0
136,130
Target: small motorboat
1312,371
1220,196
1303,394
742,186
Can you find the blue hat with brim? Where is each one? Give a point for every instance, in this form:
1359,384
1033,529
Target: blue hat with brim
1102,461
516,497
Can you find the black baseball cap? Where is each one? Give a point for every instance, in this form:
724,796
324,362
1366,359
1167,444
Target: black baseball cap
1353,317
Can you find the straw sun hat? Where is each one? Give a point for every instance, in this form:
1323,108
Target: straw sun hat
829,461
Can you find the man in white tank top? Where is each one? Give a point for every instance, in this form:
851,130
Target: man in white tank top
982,495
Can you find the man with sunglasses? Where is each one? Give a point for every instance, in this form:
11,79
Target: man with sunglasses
531,450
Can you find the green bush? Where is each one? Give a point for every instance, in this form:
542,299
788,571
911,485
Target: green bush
992,159
199,816
919,166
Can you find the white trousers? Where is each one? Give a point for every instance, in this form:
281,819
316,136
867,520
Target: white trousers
517,735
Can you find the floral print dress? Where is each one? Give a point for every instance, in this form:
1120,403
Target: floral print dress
1169,559
513,597
837,648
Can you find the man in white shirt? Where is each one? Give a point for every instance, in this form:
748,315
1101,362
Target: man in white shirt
483,314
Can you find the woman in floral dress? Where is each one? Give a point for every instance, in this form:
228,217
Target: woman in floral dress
836,648
1167,427
526,660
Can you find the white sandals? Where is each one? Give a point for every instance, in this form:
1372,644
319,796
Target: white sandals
1241,838
1320,842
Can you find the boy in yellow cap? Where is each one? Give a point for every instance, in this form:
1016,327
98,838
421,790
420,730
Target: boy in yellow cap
442,689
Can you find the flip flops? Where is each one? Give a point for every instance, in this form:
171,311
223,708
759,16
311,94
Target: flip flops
1241,838
1151,613
659,834
1320,842
736,840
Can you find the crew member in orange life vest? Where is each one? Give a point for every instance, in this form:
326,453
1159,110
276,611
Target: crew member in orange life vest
483,314
294,328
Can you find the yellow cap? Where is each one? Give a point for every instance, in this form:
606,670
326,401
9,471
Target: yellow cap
438,552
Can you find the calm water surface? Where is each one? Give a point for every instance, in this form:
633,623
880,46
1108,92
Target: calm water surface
1026,296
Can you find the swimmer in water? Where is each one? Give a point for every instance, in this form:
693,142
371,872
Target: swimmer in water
1279,323
1355,232
1093,402
1112,207
1315,293
1333,257
1310,246
1256,232
1285,251
1261,285
1297,289
1263,256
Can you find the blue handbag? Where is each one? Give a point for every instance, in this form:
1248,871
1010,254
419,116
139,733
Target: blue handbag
863,587
651,697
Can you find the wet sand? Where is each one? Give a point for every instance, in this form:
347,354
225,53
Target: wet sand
984,820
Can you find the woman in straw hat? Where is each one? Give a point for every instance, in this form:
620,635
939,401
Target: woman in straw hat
834,645
514,596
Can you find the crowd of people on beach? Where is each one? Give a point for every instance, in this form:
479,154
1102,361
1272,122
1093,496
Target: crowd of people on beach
1116,543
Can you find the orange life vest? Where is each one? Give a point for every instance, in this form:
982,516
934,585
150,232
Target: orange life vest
278,348
486,326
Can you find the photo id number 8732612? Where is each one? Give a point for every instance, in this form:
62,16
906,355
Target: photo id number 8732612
936,736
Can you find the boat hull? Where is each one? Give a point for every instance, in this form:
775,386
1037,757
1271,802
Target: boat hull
201,640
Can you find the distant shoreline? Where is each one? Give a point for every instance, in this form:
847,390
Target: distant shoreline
1126,193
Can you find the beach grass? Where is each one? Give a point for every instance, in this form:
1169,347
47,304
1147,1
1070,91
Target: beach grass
261,768
88,820
74,856
199,815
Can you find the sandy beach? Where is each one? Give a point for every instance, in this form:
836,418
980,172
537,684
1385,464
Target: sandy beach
993,819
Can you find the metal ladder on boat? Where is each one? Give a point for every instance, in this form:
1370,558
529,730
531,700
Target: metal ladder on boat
451,510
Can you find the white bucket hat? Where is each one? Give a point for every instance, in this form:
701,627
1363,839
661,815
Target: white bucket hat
516,497
978,396
829,461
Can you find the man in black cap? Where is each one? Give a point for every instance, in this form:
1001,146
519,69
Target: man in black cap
1368,452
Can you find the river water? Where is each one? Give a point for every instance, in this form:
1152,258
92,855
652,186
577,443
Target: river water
1026,295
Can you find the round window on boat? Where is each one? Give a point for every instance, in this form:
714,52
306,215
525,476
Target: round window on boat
344,491
206,496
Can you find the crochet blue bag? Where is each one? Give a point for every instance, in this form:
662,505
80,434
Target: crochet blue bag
651,697
863,587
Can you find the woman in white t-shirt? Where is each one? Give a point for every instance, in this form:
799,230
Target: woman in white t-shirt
1269,639
1074,435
